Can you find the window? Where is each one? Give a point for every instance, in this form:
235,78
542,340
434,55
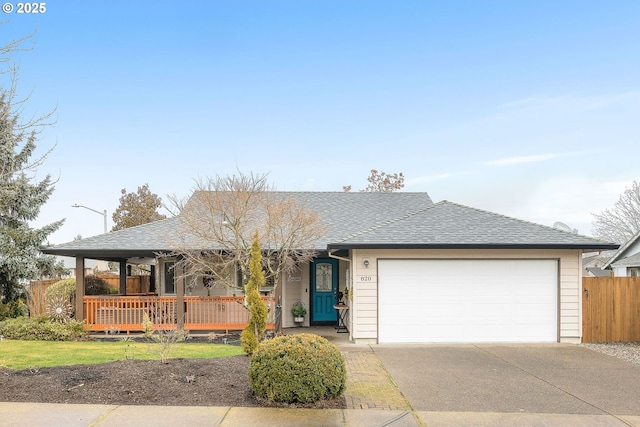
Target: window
169,277
324,277
634,271
265,290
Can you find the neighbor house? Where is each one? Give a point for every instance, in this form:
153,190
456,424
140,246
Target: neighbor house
408,271
626,261
592,264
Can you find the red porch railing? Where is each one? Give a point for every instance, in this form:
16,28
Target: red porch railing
127,313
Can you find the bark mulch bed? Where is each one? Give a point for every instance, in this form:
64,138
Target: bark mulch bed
180,382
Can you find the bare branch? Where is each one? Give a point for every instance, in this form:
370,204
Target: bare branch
621,222
219,221
381,182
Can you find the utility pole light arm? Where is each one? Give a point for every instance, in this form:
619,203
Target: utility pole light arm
103,213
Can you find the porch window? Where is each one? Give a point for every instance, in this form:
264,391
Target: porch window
264,291
169,278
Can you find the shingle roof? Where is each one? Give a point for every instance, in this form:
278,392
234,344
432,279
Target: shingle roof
622,250
372,220
630,261
341,212
451,225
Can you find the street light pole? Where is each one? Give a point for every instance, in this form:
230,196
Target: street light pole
104,213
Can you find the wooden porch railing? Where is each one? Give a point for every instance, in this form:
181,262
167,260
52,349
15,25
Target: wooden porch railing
127,313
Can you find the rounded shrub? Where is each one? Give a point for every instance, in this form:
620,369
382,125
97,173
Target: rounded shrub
13,309
297,368
62,290
95,285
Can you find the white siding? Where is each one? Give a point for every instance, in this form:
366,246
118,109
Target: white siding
295,287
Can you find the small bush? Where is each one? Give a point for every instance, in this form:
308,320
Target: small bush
297,368
62,290
13,309
40,328
94,285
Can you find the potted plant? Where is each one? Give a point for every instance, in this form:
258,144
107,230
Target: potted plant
298,310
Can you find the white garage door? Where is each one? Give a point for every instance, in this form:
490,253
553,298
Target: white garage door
467,301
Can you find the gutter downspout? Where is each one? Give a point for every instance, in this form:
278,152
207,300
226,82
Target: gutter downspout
338,257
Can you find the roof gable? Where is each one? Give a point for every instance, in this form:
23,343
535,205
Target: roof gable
632,246
630,261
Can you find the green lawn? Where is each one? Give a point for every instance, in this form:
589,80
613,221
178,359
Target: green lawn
23,354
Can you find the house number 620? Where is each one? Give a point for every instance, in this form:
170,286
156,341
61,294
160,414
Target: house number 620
365,278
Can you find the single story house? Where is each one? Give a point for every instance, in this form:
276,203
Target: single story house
626,261
408,270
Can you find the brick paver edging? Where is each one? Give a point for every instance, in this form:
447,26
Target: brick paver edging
369,385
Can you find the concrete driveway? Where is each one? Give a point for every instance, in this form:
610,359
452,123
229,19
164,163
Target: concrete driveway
545,378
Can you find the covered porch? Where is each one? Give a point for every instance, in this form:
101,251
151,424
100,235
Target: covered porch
126,312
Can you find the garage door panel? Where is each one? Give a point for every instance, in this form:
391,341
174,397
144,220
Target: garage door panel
468,300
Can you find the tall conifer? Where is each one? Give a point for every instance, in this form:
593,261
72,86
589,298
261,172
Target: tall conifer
21,195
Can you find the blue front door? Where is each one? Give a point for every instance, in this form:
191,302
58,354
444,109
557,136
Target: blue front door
324,288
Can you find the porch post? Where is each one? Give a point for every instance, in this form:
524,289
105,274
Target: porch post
152,279
123,277
79,288
180,303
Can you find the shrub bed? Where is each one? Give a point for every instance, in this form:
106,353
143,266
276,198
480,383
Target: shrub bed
297,368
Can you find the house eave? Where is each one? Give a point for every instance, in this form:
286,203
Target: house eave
339,246
104,254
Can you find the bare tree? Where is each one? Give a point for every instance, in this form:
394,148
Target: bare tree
381,182
622,222
218,222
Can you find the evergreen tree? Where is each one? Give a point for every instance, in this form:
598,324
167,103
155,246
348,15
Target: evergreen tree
21,196
258,313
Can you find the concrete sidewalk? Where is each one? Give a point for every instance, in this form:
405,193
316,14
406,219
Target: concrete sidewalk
53,415
71,415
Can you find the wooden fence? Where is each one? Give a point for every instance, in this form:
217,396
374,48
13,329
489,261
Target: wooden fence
37,303
610,309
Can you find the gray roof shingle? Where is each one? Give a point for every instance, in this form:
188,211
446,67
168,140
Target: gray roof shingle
341,213
451,225
372,220
630,261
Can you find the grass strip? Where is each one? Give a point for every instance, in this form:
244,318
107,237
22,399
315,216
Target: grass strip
16,354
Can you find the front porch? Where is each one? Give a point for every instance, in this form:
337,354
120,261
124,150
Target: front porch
198,313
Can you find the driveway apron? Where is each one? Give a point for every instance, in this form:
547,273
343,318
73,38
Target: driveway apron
545,378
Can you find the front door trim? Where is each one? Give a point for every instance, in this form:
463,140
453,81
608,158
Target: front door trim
321,303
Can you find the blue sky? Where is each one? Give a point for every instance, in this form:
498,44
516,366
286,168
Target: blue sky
528,108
